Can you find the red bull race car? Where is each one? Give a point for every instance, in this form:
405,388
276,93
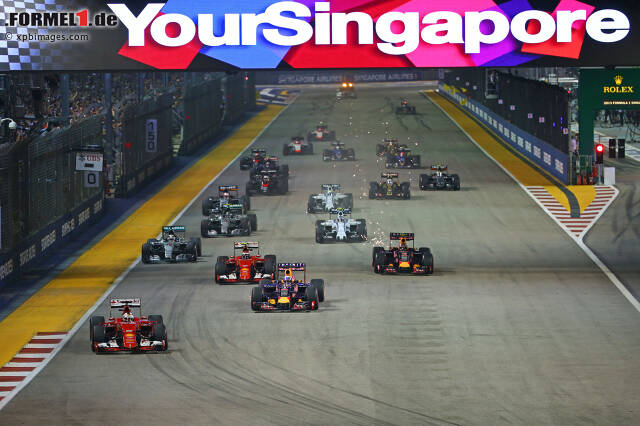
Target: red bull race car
402,259
132,332
246,265
288,293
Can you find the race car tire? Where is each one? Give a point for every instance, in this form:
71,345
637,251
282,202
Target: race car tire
156,318
198,242
207,205
98,337
204,228
318,283
379,262
220,269
351,154
310,205
270,265
160,333
427,259
376,250
285,149
326,155
373,190
93,321
380,150
361,230
309,137
151,241
256,298
423,182
319,232
311,295
284,170
416,161
310,148
405,189
348,202
246,203
146,253
248,188
253,220
246,226
192,250
223,259
456,182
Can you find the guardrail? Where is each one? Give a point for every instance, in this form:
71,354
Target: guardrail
536,150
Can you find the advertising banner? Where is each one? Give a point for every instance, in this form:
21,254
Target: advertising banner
89,161
303,34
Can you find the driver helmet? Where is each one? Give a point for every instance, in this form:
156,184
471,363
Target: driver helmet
246,253
127,316
288,276
403,243
340,216
171,236
389,181
226,195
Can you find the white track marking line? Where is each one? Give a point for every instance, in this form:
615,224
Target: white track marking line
578,240
49,356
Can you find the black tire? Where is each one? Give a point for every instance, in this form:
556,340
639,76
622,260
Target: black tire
319,232
379,262
192,250
253,220
423,182
310,148
348,202
146,253
427,259
98,337
351,153
379,150
310,205
319,285
220,269
284,170
311,295
160,333
375,251
326,155
309,137
222,258
204,228
198,242
406,190
156,318
246,225
456,182
93,321
151,240
206,207
373,190
248,189
285,149
256,298
361,229
246,203
416,161
270,265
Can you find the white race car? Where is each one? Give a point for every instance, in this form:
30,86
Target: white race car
341,228
331,198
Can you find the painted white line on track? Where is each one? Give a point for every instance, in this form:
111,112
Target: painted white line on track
49,356
578,240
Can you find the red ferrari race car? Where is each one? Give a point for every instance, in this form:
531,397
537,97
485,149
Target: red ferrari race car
402,259
132,332
245,266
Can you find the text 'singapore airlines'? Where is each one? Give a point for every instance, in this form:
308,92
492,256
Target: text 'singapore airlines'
399,33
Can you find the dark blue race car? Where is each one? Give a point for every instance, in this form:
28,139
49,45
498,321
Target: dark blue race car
338,152
402,159
288,293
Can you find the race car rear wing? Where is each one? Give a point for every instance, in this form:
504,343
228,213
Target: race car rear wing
337,143
121,303
173,228
337,211
439,167
228,188
396,236
243,244
259,151
332,186
297,138
389,175
293,266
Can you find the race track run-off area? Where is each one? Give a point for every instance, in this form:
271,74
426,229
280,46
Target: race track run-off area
517,325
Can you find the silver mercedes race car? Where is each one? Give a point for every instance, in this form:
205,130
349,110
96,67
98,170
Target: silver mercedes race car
341,228
172,247
331,198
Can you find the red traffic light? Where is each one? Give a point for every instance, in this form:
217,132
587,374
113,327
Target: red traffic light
600,148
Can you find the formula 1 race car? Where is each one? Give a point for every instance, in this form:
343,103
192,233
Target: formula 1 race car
403,159
341,228
287,293
321,134
268,183
405,108
132,332
402,259
244,265
389,187
388,147
346,90
439,180
330,199
260,162
171,247
226,195
228,222
297,146
338,153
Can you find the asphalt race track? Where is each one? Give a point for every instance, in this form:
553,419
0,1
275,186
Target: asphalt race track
517,325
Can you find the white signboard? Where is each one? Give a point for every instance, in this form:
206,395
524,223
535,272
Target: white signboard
89,161
91,179
151,134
